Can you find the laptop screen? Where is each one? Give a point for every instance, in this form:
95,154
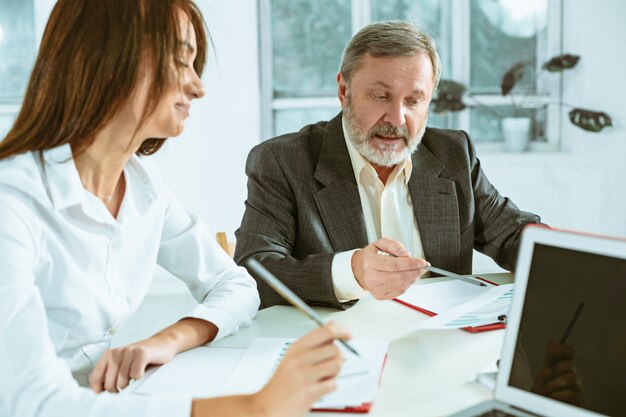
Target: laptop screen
571,343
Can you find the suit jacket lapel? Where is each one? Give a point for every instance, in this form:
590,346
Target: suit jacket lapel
338,202
436,210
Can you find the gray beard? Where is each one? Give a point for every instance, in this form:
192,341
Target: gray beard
386,155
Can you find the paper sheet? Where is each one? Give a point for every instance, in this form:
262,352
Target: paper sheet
487,376
441,296
357,382
483,309
211,372
200,372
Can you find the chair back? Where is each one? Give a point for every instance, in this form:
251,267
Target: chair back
222,240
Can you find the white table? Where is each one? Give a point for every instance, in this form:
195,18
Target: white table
428,373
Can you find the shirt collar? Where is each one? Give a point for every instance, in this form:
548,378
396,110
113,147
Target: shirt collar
147,191
65,187
62,180
359,162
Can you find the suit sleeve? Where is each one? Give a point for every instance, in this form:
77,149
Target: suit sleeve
268,232
498,223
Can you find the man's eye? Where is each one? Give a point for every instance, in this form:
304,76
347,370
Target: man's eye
379,97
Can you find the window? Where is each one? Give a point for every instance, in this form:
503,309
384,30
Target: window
302,42
21,25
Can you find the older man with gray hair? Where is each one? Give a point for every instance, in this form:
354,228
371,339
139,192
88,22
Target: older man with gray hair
327,205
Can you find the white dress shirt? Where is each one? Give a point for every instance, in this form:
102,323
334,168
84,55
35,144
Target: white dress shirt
387,211
71,274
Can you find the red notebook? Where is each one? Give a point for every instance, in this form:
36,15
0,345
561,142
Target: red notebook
493,326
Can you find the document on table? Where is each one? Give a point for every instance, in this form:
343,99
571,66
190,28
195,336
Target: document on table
437,297
480,310
210,372
199,373
357,383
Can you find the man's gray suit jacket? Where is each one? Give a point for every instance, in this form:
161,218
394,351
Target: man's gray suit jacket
303,206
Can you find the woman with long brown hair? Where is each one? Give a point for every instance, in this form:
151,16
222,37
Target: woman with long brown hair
84,218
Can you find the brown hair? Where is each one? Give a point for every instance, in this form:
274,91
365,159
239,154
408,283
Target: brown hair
87,68
389,39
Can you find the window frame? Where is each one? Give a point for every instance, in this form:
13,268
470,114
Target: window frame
456,16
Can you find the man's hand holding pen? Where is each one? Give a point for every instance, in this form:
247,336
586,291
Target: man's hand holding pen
386,277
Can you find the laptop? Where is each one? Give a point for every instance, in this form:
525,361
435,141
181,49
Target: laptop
564,351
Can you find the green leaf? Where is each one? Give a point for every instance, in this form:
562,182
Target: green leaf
561,62
443,105
450,87
512,77
449,97
590,120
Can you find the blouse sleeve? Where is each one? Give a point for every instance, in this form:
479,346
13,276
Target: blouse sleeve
227,294
35,381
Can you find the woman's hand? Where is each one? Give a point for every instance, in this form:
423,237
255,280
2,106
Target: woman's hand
117,367
307,372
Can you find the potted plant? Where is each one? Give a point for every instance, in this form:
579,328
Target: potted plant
516,129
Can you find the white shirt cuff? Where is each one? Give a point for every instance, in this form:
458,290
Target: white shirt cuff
225,324
344,282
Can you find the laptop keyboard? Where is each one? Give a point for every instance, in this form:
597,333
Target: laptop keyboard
496,413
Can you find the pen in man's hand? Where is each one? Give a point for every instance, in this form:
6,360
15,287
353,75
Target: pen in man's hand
443,272
469,280
261,272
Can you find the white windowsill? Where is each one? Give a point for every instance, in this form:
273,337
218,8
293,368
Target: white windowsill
540,154
533,148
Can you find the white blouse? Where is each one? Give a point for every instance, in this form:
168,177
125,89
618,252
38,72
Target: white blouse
71,274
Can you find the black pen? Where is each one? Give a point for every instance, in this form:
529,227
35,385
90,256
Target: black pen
260,271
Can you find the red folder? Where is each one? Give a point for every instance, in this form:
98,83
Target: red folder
484,328
360,409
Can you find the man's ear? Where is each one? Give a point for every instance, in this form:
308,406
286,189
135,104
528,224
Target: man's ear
342,89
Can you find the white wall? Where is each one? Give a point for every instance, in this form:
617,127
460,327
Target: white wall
205,165
596,30
581,188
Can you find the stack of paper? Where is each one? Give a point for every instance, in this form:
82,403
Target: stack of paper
357,383
479,311
458,304
437,297
209,372
199,373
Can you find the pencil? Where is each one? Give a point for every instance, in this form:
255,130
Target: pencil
261,272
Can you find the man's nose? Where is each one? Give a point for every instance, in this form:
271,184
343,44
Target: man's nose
396,113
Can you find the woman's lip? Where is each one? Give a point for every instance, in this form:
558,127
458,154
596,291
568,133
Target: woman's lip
183,107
